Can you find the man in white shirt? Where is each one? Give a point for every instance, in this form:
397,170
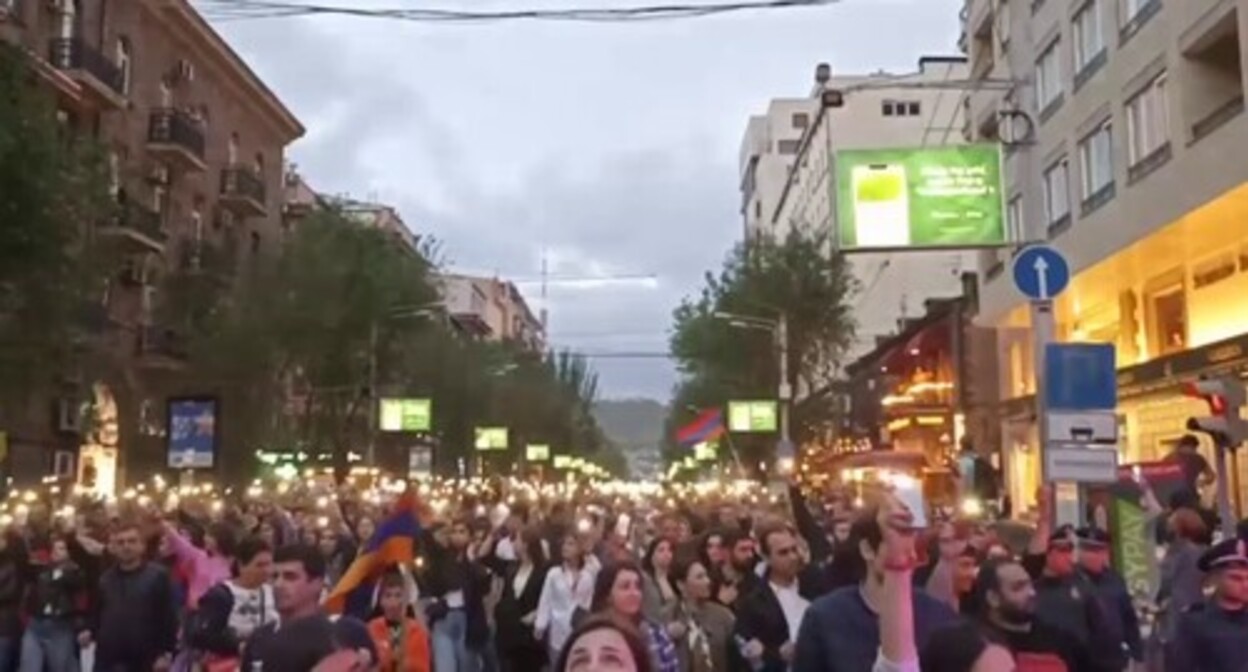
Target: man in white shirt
768,619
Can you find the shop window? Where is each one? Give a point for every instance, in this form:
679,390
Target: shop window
1169,313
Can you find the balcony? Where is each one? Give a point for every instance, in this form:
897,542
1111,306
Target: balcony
176,138
140,226
161,347
243,192
215,262
101,80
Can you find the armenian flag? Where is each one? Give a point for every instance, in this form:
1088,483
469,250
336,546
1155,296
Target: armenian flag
708,426
394,543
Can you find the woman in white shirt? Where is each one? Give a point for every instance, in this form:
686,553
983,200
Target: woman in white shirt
568,588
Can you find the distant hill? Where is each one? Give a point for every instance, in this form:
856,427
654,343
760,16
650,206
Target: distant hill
635,427
631,423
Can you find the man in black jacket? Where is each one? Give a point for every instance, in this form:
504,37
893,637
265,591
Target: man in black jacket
768,619
1120,633
135,618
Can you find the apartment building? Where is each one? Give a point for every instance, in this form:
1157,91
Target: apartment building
768,153
1125,129
491,309
876,111
195,143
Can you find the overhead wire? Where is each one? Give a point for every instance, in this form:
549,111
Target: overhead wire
241,10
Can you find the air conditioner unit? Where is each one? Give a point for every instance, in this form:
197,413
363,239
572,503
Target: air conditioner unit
68,415
184,71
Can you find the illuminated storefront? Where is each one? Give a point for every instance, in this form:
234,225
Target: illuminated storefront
1175,305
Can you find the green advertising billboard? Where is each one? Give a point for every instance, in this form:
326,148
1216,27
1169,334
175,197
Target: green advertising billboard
936,197
537,452
491,438
563,461
405,415
752,416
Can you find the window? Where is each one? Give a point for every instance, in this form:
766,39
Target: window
1057,192
1148,121
197,226
801,120
788,147
758,209
114,174
1049,76
1096,158
1089,35
1130,8
1015,226
902,108
123,63
1169,308
231,150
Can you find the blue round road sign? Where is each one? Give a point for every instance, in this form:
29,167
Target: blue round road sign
1040,272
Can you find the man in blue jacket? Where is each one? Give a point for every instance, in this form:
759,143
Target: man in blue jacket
840,631
1119,638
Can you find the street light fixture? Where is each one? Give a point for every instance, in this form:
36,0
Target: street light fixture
779,330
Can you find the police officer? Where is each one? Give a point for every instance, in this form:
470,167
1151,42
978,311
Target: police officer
1213,636
1119,639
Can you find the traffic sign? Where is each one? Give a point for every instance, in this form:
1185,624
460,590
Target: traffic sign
1080,377
1081,464
1040,272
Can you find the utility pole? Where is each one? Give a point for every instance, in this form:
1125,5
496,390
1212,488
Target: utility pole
785,453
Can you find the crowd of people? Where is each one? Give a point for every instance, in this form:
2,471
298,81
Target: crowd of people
585,582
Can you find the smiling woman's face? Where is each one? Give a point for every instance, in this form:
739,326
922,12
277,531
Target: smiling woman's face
601,650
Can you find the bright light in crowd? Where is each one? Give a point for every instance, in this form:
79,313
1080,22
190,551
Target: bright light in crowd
972,507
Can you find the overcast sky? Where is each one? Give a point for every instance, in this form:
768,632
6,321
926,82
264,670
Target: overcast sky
614,147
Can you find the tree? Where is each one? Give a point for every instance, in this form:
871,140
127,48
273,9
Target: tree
53,194
310,326
795,277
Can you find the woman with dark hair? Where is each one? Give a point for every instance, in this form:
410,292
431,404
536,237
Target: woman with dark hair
603,644
1182,582
701,627
618,594
569,588
516,611
235,608
205,567
657,563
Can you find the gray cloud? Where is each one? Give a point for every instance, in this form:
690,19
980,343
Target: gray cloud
612,147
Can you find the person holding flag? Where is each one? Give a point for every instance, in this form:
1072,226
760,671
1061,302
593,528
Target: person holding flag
392,544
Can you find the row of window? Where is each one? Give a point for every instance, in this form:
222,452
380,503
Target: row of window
901,108
1089,46
1148,120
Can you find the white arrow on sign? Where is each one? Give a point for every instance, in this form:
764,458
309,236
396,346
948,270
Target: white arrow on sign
1042,276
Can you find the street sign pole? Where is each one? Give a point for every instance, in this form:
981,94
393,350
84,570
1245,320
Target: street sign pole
1044,331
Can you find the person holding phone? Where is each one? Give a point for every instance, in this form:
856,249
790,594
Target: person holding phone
841,631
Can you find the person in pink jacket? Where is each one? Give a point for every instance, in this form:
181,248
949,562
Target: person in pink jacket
205,567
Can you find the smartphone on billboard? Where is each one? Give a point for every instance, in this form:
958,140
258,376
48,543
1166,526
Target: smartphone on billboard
881,205
909,491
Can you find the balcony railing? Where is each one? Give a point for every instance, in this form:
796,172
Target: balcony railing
143,221
244,185
76,54
169,127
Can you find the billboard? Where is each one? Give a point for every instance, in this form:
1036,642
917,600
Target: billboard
934,197
752,416
192,433
405,415
419,461
536,452
563,461
490,438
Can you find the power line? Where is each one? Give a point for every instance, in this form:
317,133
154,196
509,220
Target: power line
242,10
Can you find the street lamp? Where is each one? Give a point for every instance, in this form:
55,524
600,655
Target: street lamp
398,313
779,330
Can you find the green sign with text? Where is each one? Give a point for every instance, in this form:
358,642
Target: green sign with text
491,438
937,197
406,415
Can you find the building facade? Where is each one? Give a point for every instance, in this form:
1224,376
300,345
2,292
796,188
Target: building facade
876,111
1123,122
491,309
768,154
195,144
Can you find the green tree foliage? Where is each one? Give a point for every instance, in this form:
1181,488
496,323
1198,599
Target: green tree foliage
310,325
53,197
796,277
